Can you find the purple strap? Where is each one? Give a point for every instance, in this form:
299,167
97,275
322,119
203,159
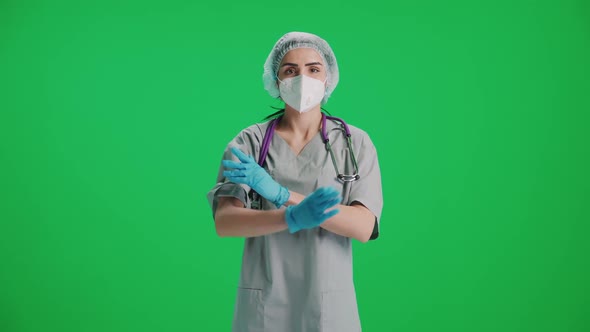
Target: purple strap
266,141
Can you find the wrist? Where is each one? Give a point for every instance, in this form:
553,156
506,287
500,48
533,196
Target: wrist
282,197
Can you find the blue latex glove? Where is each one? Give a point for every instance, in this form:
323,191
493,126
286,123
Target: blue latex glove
311,212
248,172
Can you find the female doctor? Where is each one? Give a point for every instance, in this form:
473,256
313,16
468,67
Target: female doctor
298,198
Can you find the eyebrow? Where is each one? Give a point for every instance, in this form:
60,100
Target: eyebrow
296,65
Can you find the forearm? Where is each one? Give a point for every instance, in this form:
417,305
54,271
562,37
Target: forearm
354,221
233,220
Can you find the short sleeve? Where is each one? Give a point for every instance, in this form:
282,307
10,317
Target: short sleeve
248,140
367,190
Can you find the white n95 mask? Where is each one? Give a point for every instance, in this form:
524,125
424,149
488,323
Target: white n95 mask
302,92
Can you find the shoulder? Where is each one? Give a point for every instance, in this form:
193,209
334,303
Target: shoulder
253,133
356,131
359,136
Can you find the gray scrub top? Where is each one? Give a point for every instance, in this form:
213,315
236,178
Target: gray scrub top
301,282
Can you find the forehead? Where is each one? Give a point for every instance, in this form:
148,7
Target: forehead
302,55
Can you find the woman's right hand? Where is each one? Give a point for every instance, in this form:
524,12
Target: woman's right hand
311,212
248,172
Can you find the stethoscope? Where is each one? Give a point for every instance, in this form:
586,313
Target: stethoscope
344,178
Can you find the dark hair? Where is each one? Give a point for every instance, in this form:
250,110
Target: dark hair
281,111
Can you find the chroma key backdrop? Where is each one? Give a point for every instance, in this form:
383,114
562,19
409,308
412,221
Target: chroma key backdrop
114,116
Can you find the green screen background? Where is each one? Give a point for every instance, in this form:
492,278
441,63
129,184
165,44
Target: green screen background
114,115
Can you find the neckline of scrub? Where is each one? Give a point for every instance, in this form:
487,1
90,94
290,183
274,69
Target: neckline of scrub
305,147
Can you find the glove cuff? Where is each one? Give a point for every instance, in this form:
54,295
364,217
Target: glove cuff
291,223
282,197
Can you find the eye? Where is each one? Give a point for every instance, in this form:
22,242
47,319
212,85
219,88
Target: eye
289,71
315,70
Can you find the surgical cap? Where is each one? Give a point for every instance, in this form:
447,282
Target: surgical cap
293,40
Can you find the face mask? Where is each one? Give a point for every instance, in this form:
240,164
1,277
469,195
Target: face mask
302,92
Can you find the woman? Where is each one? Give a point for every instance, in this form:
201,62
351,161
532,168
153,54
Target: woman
297,263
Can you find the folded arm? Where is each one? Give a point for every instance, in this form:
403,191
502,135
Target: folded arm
232,219
355,221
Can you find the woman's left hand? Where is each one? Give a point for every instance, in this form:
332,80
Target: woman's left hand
248,172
